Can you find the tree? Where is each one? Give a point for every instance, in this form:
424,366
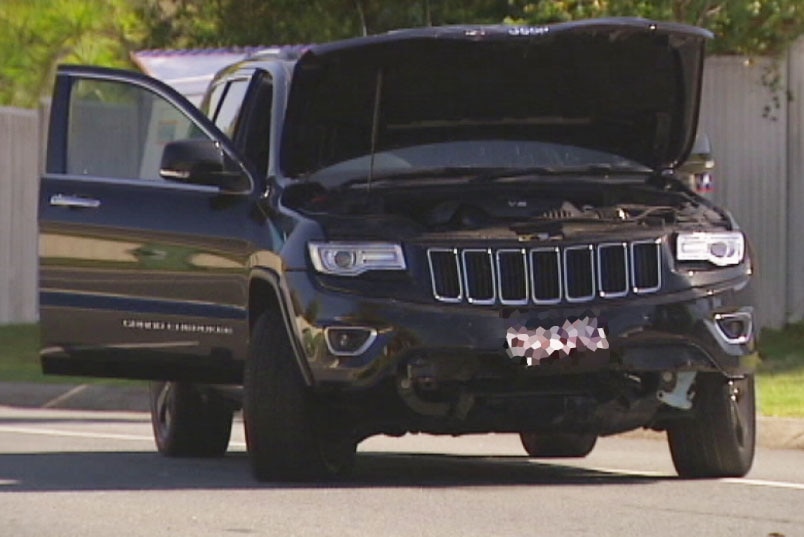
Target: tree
39,34
758,27
193,23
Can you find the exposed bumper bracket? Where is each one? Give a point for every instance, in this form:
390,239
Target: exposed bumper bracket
679,396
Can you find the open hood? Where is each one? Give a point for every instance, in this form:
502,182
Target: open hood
629,87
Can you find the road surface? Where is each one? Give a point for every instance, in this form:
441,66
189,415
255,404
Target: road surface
96,474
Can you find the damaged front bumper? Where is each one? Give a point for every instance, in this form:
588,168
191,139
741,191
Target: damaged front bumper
359,342
605,367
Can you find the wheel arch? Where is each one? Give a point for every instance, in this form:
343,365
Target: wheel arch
266,293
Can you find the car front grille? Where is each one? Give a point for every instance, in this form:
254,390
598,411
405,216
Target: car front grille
549,275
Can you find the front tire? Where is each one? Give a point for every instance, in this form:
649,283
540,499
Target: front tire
556,445
188,421
719,441
291,434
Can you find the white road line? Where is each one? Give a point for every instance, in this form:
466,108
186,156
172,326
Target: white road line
763,483
729,480
71,434
142,438
65,396
80,434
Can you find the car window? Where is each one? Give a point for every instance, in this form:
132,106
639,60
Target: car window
210,107
119,130
254,136
229,110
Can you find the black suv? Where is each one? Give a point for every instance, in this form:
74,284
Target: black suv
442,230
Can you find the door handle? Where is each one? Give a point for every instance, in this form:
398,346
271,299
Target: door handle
73,202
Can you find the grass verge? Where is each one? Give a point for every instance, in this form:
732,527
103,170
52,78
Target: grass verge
780,376
19,359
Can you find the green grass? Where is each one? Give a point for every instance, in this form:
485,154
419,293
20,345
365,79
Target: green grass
19,353
780,376
781,373
19,358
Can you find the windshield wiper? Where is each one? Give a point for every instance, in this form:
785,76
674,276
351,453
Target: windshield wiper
547,171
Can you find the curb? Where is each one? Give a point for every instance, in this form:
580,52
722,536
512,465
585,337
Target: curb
772,432
786,433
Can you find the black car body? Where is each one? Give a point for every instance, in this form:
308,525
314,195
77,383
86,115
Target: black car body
445,230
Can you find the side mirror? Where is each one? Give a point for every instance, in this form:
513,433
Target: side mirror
202,162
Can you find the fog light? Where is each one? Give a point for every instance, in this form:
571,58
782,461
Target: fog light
349,340
736,328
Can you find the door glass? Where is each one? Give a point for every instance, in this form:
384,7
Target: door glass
211,106
229,111
119,130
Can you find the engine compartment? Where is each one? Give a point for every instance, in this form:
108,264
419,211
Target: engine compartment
546,210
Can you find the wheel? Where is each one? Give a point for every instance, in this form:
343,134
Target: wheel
558,444
719,440
188,421
291,434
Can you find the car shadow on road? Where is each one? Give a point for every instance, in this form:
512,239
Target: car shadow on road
126,471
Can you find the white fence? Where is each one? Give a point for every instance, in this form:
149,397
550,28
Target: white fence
20,136
759,177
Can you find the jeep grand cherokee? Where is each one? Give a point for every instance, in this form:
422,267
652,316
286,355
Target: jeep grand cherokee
444,230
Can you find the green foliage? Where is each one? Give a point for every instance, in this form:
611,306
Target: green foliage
39,34
750,27
198,23
781,374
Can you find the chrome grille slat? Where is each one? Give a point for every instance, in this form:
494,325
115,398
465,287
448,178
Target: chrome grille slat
445,274
579,273
545,270
644,256
550,275
512,276
613,269
478,276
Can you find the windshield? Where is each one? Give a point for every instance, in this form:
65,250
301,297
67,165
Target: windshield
472,157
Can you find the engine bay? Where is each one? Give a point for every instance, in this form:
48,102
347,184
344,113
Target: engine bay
550,210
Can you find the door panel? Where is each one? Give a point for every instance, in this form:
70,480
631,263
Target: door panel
140,277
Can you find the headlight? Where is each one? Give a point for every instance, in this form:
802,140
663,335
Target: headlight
351,259
721,249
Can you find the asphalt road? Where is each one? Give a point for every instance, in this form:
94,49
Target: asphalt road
88,474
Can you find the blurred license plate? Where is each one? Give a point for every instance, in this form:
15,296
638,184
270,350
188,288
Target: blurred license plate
532,345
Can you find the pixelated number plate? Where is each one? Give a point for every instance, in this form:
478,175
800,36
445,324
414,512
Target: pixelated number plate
532,345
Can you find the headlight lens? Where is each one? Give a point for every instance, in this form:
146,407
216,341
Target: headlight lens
351,259
721,249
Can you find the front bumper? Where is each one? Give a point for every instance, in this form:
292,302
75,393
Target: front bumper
460,343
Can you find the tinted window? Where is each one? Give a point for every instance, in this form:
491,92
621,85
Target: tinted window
256,131
119,130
